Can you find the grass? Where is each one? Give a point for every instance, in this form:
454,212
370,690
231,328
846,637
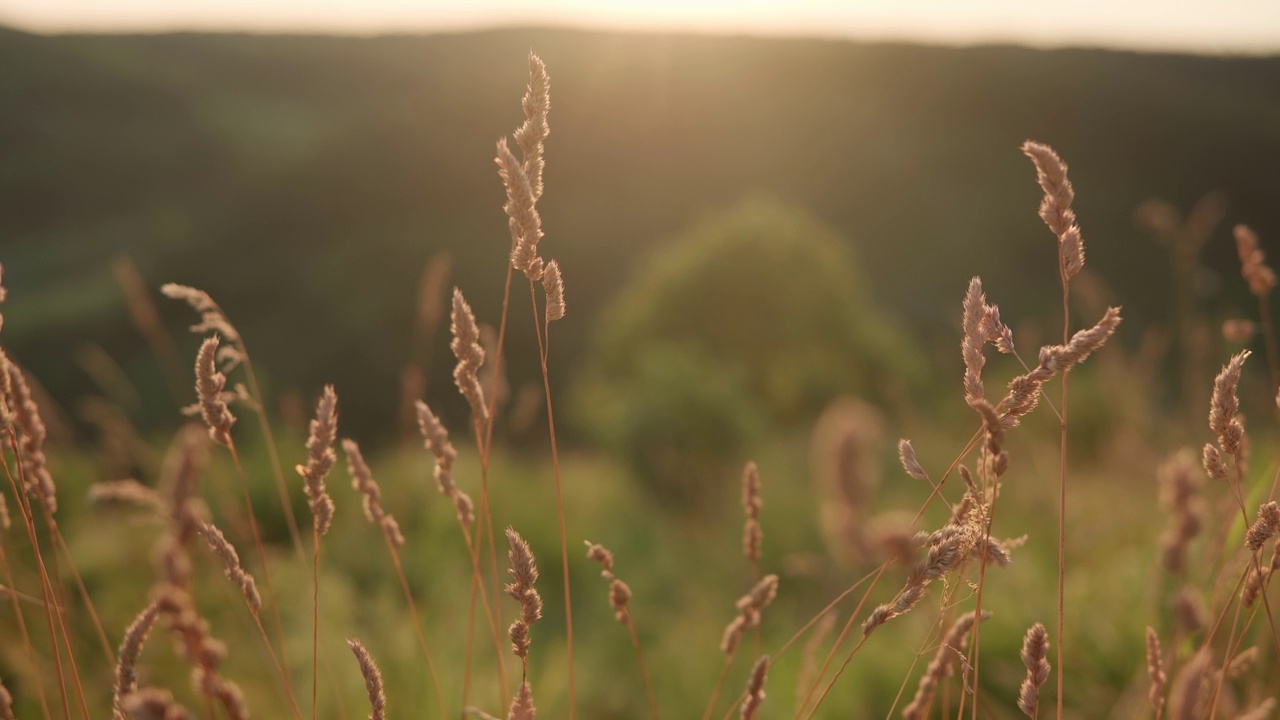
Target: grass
440,595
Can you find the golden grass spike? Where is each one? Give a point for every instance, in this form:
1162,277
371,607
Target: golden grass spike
210,388
1055,208
135,636
231,566
372,680
940,667
553,285
362,480
1224,406
1268,524
750,611
524,573
972,340
755,688
522,214
1155,670
466,347
32,434
531,135
752,534
321,459
522,704
152,703
1253,262
212,319
1035,651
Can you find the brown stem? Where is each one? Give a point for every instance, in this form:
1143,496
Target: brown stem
1232,640
974,645
477,579
470,651
715,690
927,642
417,624
80,586
62,621
26,634
46,588
266,573
839,671
497,371
315,617
1062,495
544,344
485,523
844,633
805,628
281,488
275,660
644,670
1231,645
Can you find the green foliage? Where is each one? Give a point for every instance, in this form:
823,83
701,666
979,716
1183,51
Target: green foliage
756,313
770,288
685,577
682,421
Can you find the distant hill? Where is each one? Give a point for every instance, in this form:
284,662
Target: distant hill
304,181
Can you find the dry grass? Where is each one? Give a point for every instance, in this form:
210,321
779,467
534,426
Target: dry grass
1215,565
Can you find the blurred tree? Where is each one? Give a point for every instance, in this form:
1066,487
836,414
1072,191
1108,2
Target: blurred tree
681,420
760,309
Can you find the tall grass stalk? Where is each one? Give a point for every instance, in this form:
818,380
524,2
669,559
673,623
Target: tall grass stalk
975,643
1255,563
417,626
478,588
467,349
844,633
25,633
715,689
283,664
255,391
1058,215
436,440
61,546
363,482
46,586
875,579
214,320
544,344
485,522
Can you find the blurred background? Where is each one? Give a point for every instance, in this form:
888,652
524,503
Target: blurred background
760,210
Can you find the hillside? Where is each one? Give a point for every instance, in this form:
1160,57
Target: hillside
304,181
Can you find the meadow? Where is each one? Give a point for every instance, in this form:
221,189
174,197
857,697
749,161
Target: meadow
773,547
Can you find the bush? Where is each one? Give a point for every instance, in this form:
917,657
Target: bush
682,422
760,307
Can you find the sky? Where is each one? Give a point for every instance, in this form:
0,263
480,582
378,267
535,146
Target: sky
1237,26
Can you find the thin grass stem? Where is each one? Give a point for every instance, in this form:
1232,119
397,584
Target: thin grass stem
46,587
266,574
543,348
26,634
417,624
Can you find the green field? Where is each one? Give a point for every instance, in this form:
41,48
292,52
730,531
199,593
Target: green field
765,247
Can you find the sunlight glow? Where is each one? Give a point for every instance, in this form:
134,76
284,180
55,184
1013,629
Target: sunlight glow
1198,25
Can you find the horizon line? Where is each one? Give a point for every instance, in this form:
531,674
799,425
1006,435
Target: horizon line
379,30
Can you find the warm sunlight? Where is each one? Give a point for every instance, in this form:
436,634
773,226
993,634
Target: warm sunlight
1199,25
639,359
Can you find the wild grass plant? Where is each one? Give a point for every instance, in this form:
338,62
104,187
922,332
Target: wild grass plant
916,585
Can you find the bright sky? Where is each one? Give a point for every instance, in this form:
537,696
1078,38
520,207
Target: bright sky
1250,26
